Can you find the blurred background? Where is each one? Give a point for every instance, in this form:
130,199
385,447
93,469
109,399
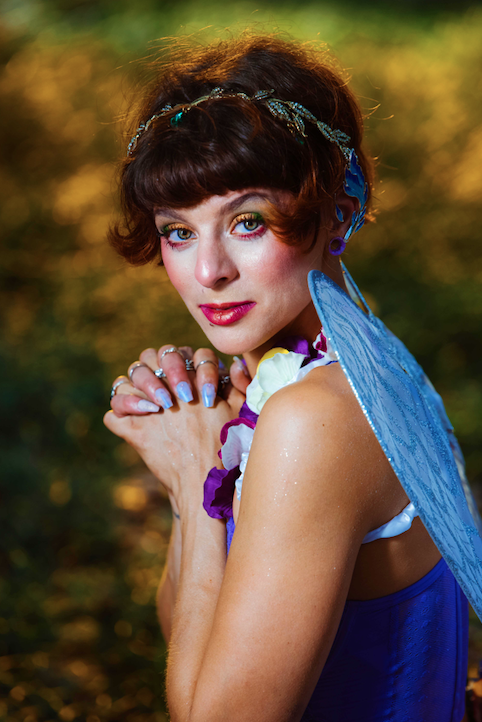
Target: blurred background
84,527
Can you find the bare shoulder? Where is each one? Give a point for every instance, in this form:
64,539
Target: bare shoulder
325,392
324,412
319,423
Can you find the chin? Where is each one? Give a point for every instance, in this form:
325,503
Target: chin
227,340
229,347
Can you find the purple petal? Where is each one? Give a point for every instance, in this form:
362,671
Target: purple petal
230,527
247,414
218,493
236,422
296,344
321,345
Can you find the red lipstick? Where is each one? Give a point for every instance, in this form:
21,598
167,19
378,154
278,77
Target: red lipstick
224,314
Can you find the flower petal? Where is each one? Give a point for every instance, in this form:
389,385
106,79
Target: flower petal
235,422
218,493
320,343
255,396
249,415
297,344
238,442
278,371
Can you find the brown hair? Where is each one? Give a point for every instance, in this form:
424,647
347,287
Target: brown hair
231,144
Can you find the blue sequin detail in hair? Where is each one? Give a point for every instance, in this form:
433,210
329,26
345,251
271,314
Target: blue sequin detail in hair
356,187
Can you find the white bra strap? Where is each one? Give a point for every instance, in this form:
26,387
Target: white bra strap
399,524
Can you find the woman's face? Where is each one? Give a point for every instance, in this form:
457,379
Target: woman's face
243,286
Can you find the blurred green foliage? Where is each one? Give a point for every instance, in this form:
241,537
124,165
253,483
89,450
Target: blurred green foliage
85,528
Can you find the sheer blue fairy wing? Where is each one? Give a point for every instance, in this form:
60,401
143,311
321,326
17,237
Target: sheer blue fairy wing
410,423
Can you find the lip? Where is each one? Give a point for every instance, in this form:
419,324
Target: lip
224,314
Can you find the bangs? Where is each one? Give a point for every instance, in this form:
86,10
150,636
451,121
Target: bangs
212,151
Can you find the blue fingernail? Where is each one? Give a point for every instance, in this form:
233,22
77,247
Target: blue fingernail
208,394
144,405
164,398
184,392
221,365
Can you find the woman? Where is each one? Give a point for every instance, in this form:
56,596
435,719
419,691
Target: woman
246,174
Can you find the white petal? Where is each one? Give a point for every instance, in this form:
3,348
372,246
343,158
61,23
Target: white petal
255,396
276,372
239,485
238,442
242,468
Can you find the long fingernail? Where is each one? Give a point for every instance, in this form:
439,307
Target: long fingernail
164,398
221,365
144,405
184,392
240,365
209,394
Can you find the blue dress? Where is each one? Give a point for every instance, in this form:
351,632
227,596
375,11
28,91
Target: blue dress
399,658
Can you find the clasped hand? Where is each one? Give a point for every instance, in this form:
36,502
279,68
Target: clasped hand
173,418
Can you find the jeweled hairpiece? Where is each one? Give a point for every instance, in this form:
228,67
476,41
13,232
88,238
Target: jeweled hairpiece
294,115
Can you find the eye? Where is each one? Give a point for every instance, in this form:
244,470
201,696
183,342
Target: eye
249,224
176,233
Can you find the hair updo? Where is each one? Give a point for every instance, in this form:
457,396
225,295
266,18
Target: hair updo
231,144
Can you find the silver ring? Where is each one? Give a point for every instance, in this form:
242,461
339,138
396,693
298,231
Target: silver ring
206,361
160,373
173,349
118,382
224,381
133,367
189,364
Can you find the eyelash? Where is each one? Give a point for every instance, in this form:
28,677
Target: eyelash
251,217
167,230
242,218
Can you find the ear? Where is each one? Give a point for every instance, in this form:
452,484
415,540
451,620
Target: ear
347,205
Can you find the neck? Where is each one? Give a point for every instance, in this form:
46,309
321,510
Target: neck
307,325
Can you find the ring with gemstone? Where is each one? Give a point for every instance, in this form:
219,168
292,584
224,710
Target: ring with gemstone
160,373
224,381
189,364
172,349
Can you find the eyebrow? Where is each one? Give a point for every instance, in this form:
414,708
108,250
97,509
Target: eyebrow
237,202
226,208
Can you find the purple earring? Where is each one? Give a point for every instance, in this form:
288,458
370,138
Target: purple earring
337,246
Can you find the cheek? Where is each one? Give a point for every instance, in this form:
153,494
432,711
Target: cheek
179,274
282,267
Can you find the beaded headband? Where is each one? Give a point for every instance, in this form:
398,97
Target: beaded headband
294,115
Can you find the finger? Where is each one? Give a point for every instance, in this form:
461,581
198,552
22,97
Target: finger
240,377
144,378
134,403
235,399
149,357
187,351
172,362
207,375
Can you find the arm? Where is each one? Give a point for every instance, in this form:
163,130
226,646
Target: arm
149,438
250,638
168,586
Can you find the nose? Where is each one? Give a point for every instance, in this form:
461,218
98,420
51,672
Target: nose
215,265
